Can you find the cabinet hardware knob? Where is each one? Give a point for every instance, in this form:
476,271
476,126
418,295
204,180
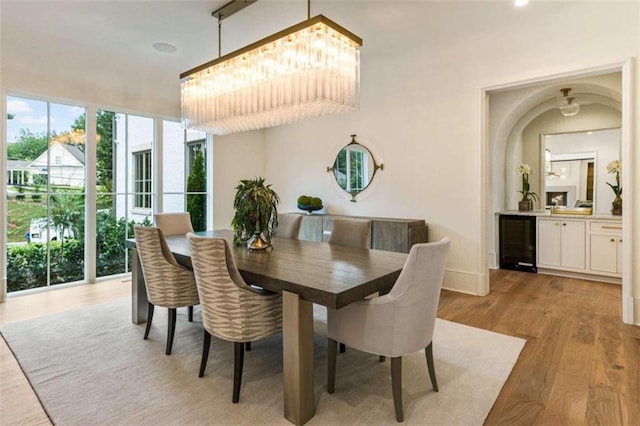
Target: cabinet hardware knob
612,240
620,239
564,224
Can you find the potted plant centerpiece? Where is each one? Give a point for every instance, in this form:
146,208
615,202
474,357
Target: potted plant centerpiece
526,204
256,217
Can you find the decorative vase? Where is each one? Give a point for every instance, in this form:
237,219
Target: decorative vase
525,205
309,209
616,207
257,242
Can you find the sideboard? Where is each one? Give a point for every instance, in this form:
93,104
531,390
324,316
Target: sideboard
386,233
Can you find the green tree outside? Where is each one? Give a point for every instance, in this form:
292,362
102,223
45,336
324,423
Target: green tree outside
28,146
197,203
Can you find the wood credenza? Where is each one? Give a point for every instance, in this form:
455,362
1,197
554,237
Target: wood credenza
386,233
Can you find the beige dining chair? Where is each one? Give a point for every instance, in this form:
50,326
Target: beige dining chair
398,323
173,223
169,284
231,309
351,232
289,226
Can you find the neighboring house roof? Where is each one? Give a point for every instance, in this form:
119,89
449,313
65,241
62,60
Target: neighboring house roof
18,164
75,151
75,157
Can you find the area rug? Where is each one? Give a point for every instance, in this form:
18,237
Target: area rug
90,366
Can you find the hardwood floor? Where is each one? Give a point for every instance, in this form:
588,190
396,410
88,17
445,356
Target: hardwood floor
581,364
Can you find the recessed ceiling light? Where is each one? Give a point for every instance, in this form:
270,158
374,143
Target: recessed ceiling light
520,3
164,47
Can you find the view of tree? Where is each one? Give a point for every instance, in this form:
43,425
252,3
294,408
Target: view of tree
105,146
67,215
11,116
196,203
28,145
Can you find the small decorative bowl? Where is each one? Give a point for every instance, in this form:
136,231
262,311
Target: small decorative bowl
309,209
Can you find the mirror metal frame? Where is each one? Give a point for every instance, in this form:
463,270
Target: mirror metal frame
376,167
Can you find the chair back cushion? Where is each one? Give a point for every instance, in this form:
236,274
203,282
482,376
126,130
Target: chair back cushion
168,284
289,226
231,310
173,223
351,232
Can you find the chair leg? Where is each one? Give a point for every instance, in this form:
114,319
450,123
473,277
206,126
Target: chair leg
171,329
396,385
149,319
332,347
205,352
238,352
247,346
382,358
343,348
428,352
190,313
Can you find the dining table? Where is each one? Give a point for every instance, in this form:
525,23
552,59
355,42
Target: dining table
304,272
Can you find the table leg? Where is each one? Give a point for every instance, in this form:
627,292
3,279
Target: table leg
139,301
299,399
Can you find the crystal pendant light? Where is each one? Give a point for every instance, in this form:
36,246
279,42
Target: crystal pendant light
307,70
567,103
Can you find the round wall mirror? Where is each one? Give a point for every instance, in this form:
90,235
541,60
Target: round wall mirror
354,168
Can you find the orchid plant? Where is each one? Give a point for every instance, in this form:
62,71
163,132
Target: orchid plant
615,167
525,170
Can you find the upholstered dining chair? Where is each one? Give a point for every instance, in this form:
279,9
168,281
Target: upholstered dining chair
231,309
173,223
169,284
289,225
398,323
351,232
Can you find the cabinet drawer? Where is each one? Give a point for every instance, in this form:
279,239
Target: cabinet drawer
611,228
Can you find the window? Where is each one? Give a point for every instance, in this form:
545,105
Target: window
142,179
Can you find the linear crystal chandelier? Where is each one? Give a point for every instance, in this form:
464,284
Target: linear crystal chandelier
307,70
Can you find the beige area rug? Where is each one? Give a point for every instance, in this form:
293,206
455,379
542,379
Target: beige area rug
91,367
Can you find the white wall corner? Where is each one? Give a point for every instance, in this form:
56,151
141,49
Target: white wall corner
631,310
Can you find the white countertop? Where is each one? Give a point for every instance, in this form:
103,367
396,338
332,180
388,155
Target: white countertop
547,213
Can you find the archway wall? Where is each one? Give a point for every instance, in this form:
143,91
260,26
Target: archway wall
512,111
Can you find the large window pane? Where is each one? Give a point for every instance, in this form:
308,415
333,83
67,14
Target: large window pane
125,187
184,173
45,187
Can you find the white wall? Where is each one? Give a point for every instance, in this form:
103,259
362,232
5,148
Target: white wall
235,157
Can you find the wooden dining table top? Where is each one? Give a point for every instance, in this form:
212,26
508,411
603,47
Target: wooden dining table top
322,273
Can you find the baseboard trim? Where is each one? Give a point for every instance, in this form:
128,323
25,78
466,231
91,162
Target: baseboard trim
462,281
579,275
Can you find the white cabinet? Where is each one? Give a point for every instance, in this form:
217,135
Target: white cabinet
605,255
562,244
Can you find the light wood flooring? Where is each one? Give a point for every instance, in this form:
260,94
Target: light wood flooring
581,364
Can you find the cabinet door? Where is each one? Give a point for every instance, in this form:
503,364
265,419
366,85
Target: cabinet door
549,242
574,246
604,253
619,262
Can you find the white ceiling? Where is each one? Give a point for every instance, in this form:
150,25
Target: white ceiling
104,46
